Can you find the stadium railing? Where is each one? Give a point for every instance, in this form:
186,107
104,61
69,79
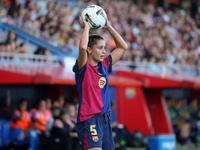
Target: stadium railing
70,3
163,70
29,59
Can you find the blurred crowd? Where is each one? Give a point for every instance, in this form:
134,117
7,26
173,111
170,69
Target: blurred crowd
185,120
154,35
12,45
55,122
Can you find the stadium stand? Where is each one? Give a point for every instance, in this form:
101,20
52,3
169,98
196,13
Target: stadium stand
170,44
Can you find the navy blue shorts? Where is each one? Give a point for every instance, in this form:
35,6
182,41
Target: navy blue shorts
96,132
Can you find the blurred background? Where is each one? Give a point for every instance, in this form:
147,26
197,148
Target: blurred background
154,88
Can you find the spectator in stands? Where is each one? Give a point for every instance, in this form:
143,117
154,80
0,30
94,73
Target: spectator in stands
72,110
184,127
172,113
183,121
11,44
21,119
193,109
194,116
49,115
40,121
42,51
152,33
45,52
60,136
2,47
59,102
72,124
3,10
39,51
40,116
11,41
15,5
56,112
48,106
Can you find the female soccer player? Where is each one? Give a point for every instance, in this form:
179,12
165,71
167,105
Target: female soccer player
91,73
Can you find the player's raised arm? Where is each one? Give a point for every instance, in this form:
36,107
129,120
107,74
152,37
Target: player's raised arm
121,45
82,58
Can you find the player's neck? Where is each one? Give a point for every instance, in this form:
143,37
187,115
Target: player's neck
92,61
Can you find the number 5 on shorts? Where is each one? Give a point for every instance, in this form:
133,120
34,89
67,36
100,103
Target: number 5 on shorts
92,130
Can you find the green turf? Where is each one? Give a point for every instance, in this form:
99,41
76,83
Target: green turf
136,149
176,148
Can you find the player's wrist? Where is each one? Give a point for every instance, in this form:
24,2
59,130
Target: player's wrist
87,26
109,27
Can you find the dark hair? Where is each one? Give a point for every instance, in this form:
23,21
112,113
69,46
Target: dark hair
54,110
40,51
21,100
8,40
38,102
93,39
63,112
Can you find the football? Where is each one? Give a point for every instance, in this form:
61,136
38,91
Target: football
95,16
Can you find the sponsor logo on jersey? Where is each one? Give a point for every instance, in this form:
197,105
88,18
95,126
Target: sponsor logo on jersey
102,82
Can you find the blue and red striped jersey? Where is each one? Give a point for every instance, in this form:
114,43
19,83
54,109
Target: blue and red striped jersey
93,88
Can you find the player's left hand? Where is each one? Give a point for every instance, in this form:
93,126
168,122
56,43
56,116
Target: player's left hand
107,24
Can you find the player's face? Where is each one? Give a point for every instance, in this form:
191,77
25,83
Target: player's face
98,52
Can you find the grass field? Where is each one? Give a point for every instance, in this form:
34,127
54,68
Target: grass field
178,148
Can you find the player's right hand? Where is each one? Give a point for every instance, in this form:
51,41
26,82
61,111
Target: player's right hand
83,22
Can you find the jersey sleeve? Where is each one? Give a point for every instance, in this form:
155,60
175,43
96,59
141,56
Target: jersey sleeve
108,63
79,72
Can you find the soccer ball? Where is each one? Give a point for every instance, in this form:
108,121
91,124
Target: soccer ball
95,16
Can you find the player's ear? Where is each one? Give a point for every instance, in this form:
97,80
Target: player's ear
89,50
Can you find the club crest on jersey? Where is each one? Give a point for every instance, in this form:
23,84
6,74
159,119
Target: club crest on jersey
95,138
102,82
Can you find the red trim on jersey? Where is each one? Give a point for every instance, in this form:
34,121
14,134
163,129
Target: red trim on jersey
86,145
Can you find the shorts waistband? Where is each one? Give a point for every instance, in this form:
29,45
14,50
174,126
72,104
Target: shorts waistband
107,117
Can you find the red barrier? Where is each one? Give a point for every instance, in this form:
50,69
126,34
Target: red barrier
16,74
132,110
159,112
7,77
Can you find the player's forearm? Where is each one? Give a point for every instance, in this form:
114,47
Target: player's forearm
120,43
84,39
